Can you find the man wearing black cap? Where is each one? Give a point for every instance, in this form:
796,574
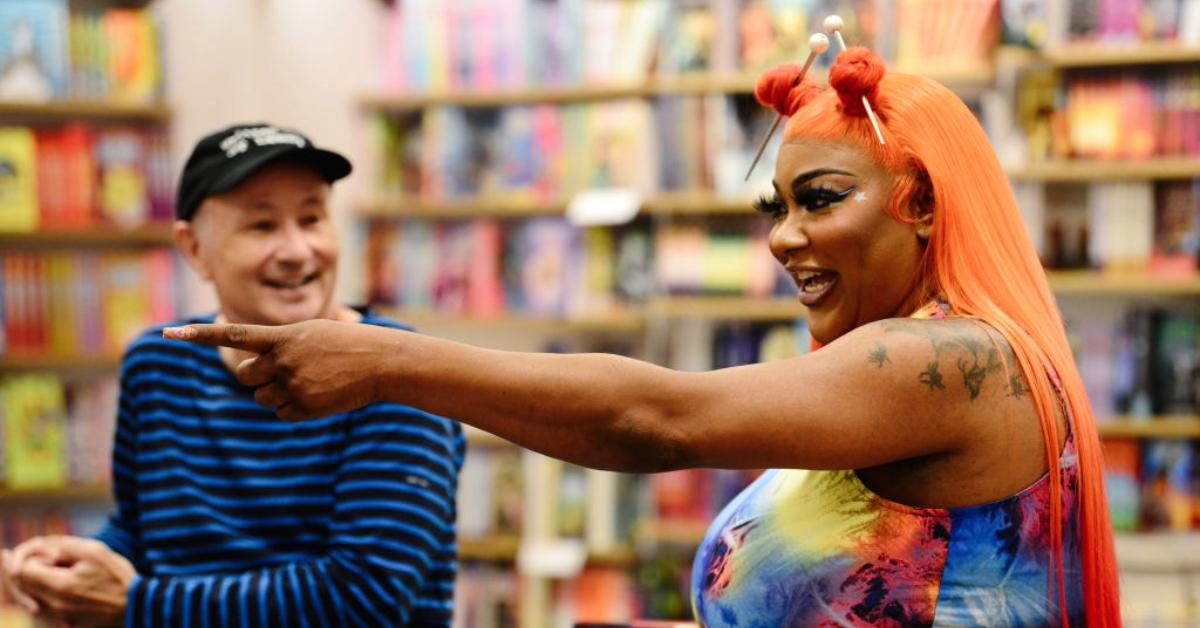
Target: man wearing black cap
226,515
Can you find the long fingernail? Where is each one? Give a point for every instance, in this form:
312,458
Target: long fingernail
179,333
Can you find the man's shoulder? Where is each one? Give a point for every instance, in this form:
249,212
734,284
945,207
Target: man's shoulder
372,317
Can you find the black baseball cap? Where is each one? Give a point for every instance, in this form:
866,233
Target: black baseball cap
223,160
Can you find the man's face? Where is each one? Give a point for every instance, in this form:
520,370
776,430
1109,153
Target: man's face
268,246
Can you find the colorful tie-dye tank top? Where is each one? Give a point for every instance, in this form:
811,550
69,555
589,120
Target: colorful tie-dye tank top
818,548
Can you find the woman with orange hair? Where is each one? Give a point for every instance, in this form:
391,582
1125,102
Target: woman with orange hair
935,462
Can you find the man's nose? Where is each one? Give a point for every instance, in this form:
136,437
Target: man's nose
293,244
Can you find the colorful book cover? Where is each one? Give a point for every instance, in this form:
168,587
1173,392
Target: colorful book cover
34,432
1121,472
1166,477
33,45
77,142
126,309
18,180
1176,230
133,61
120,157
51,184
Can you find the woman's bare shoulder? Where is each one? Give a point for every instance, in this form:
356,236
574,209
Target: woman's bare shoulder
945,354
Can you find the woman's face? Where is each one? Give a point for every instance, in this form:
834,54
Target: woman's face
852,262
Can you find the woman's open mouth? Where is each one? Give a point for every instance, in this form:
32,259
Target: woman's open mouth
814,284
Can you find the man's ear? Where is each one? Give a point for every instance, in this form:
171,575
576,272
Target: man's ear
189,246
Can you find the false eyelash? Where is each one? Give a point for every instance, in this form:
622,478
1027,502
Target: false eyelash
821,197
770,205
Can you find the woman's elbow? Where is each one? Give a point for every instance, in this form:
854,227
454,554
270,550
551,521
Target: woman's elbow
649,441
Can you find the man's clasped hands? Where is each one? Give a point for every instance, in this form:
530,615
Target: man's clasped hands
67,580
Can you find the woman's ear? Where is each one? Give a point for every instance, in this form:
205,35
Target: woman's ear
924,208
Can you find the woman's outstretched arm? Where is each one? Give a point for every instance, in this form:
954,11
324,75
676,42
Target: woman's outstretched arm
892,390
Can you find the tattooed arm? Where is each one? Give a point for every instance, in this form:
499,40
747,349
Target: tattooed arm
893,390
889,391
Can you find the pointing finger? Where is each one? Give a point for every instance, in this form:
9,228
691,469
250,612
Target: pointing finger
256,338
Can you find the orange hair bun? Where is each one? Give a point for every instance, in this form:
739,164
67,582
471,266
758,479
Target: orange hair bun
856,73
778,88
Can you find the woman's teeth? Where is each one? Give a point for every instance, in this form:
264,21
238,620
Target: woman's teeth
816,283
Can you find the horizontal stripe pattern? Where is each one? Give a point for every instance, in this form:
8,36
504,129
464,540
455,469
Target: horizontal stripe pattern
233,517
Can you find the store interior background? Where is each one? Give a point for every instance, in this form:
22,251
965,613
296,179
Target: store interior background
546,544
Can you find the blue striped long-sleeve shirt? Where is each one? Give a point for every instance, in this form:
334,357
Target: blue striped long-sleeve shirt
233,517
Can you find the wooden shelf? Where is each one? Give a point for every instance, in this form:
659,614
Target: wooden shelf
961,79
504,549
493,549
726,308
91,494
619,321
152,236
1084,170
1093,55
683,85
71,365
66,110
480,207
1158,552
1172,427
1086,282
685,202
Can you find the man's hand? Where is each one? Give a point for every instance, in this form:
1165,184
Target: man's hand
304,370
77,581
10,588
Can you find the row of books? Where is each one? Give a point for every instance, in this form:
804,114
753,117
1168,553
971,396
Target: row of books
546,267
1131,116
79,177
1126,21
1051,23
50,52
55,433
1129,226
1144,364
82,304
547,153
437,45
1153,485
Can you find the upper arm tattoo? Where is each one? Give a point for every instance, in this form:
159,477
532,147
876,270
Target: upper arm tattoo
959,348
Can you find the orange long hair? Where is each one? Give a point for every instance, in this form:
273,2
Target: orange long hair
979,258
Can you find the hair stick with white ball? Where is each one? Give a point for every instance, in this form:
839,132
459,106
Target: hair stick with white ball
834,26
817,44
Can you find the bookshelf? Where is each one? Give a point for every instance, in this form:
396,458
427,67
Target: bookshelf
966,80
688,202
61,365
685,200
96,494
1169,427
147,236
1092,283
92,111
1081,55
1087,170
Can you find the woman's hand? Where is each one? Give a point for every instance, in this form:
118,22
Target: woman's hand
306,370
